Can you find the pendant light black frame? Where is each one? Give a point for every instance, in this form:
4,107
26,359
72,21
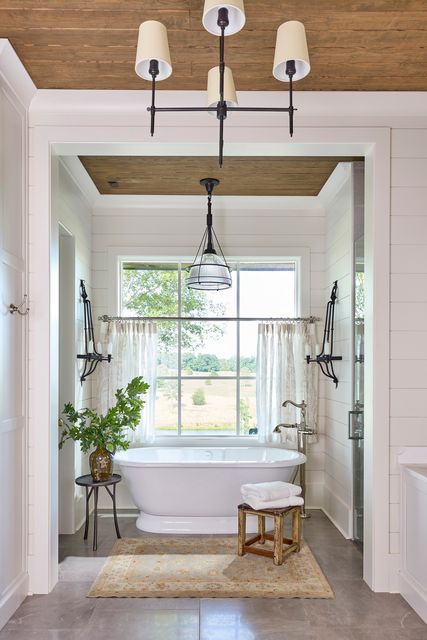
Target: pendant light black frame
207,247
222,108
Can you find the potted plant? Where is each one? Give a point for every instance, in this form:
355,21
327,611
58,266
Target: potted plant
105,433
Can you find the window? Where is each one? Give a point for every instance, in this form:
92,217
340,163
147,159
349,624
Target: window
207,345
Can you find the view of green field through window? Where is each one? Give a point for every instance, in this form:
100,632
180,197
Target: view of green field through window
206,370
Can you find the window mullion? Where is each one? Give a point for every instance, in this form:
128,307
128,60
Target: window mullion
238,350
179,352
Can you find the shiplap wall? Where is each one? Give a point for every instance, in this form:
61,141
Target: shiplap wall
408,365
14,355
246,231
337,401
73,211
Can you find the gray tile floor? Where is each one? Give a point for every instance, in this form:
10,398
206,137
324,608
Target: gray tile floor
355,614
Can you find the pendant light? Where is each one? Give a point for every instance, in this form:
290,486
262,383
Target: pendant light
209,271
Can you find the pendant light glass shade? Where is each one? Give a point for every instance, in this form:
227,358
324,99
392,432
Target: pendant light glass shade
153,45
209,271
213,88
236,16
291,44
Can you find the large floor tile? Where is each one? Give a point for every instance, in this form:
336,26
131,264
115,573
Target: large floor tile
144,624
41,634
356,613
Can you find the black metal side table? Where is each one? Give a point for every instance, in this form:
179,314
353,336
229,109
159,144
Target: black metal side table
89,483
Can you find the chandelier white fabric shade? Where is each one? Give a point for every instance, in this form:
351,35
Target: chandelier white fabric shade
230,96
291,44
236,16
153,45
291,63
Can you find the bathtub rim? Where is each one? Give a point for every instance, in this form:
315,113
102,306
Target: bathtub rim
299,459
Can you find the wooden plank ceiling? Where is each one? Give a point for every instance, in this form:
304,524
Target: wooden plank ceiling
357,45
177,175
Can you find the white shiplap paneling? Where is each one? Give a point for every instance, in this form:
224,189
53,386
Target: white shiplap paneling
408,407
338,466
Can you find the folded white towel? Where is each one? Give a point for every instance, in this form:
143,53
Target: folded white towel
292,501
270,490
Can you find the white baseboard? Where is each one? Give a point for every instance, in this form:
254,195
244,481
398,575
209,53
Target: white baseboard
338,512
394,571
79,512
336,524
13,597
414,594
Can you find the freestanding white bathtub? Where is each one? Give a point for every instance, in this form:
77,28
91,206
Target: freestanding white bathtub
197,489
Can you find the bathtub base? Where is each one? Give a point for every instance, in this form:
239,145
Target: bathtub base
192,524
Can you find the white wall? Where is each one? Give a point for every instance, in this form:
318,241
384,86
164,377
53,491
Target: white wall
338,400
246,227
408,313
15,95
361,122
72,209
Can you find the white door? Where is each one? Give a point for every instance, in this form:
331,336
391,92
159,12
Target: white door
13,356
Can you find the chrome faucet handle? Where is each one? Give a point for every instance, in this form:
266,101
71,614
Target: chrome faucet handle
302,405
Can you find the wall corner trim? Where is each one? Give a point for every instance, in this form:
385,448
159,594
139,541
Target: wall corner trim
15,75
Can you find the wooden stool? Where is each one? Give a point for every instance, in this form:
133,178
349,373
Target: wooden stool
280,550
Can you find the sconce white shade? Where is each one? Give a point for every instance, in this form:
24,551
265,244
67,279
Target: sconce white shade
213,88
291,44
236,16
153,45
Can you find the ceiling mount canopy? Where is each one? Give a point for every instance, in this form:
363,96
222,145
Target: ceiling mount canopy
209,271
291,62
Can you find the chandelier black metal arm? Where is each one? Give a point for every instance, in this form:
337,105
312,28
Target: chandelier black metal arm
221,107
91,356
323,359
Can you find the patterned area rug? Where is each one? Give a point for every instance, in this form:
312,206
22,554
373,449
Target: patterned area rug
204,567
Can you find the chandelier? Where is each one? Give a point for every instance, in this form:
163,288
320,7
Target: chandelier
209,271
153,63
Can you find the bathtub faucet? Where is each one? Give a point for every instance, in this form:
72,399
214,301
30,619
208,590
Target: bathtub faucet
301,426
303,431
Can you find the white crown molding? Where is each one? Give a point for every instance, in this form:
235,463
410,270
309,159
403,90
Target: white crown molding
14,74
334,183
337,108
80,177
223,204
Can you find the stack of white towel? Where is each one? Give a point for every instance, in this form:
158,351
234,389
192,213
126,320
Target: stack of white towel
271,495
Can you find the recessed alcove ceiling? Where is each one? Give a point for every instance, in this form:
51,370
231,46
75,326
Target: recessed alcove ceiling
240,176
355,45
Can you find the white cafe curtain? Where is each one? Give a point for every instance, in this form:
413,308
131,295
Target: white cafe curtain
134,350
283,374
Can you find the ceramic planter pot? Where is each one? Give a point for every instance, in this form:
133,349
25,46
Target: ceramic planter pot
101,464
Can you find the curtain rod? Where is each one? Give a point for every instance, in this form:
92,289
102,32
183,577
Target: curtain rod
105,318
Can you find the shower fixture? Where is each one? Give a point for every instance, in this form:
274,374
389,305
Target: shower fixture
93,353
324,353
